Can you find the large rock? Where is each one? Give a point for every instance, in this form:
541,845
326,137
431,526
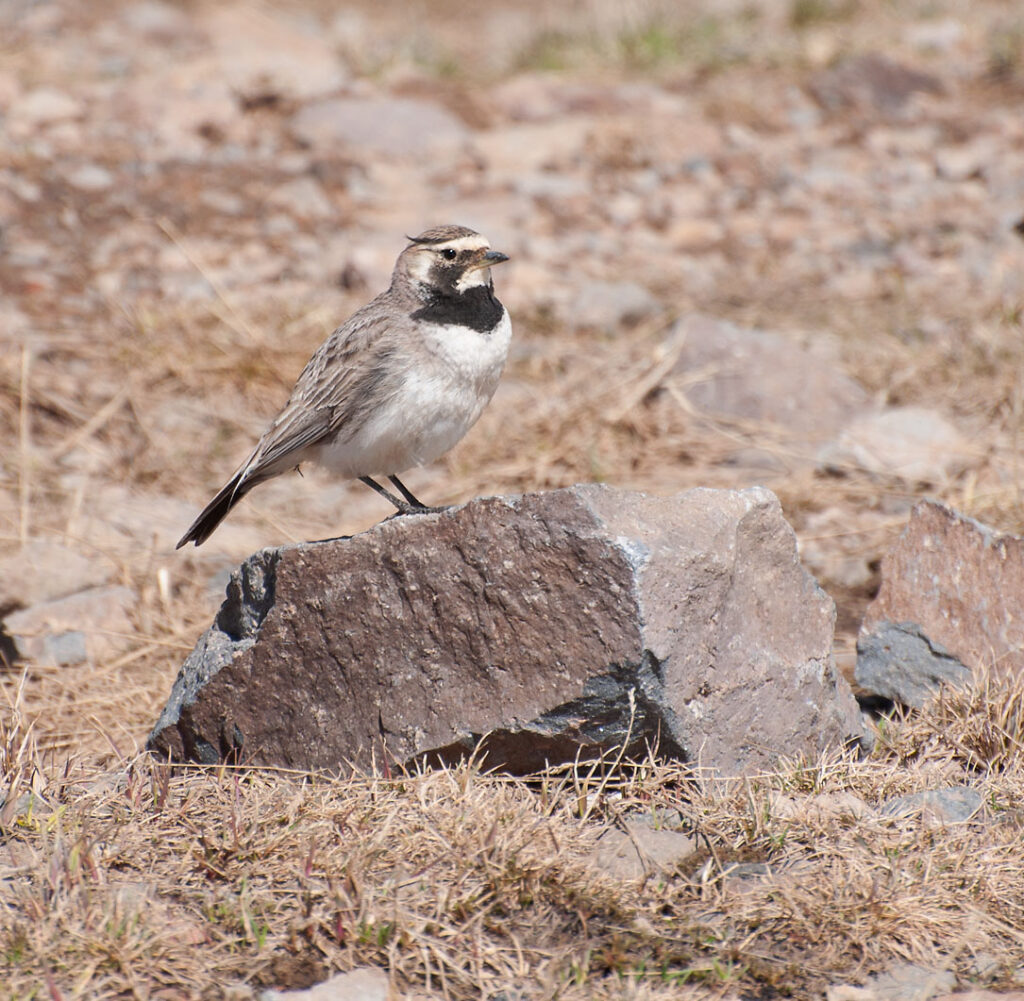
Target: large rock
553,623
949,604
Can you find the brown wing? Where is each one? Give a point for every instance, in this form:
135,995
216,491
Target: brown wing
347,375
345,378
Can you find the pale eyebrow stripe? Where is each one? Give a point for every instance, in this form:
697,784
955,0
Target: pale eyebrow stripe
459,243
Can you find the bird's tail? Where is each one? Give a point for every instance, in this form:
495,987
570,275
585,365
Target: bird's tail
217,510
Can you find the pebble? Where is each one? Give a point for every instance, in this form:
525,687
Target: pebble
904,982
392,126
222,202
43,106
89,625
941,35
958,163
611,306
694,234
258,55
91,177
304,198
43,570
357,985
643,847
952,805
915,444
155,18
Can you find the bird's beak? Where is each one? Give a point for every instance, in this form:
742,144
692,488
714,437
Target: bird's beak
489,258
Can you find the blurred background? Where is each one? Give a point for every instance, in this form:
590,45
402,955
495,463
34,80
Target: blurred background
771,242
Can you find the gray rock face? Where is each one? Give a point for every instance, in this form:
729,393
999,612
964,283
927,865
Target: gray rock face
554,623
949,604
898,661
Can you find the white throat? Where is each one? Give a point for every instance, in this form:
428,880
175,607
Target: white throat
474,279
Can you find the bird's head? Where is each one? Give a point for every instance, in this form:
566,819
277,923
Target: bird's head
448,260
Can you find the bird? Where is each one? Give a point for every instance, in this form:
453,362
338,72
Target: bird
395,386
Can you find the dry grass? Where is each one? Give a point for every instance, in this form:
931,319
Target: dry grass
979,728
146,881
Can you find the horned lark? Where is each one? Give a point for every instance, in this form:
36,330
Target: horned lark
397,385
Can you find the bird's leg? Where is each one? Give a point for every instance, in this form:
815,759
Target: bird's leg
407,493
409,506
404,507
418,507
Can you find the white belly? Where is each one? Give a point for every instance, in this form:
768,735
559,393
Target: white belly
449,381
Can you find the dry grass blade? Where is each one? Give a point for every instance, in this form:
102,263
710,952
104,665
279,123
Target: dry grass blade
20,763
980,726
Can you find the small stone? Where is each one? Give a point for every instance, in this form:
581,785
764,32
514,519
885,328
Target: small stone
155,18
739,877
238,992
549,186
954,805
305,198
641,849
269,55
223,202
871,83
91,177
44,106
823,809
985,966
610,306
761,376
915,444
529,97
513,152
959,163
938,36
394,126
694,234
909,982
847,992
358,985
42,570
899,662
85,626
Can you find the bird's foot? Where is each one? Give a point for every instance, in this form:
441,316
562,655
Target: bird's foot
418,509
